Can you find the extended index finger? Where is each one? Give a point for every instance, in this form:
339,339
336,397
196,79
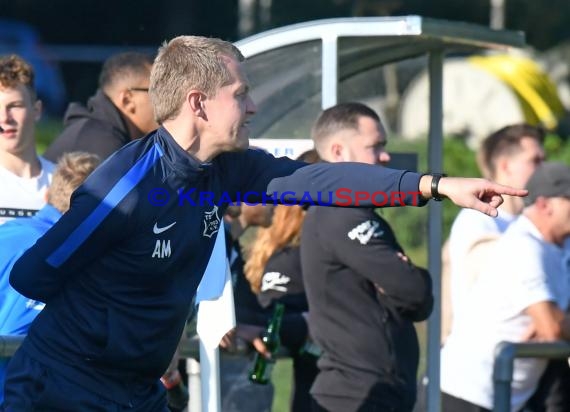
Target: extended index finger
507,190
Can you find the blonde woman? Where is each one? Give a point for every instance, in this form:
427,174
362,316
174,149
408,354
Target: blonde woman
273,270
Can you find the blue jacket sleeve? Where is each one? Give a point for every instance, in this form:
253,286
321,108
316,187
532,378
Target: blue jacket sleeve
348,184
327,184
82,234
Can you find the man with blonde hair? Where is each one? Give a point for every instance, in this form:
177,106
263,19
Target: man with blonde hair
17,235
119,271
24,176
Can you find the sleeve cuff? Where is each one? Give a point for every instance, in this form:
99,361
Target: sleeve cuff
410,184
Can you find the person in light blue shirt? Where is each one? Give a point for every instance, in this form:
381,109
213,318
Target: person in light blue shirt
16,236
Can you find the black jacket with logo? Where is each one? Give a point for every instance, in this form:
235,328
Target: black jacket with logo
282,282
363,300
257,309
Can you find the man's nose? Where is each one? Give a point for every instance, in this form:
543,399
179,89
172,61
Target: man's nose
384,157
251,107
4,115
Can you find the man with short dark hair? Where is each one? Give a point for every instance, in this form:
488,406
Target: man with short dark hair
119,112
363,292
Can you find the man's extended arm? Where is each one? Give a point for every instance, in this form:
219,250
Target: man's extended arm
264,173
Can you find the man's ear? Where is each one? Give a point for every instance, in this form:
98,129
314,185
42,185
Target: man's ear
502,165
543,204
126,102
196,101
337,151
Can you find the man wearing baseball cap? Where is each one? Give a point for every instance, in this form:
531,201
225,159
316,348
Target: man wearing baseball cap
526,289
549,181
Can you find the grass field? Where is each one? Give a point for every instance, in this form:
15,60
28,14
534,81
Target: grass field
282,376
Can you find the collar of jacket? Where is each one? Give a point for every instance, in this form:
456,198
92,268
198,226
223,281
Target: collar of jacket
180,160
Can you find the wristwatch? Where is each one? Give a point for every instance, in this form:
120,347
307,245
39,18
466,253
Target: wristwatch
434,186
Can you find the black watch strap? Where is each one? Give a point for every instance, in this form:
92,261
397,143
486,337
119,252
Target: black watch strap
435,186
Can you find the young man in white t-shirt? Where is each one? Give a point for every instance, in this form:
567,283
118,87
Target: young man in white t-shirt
525,287
24,176
508,156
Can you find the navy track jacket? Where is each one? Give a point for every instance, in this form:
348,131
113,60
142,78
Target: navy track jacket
119,270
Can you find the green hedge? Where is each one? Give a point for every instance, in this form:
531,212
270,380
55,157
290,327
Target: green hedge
46,131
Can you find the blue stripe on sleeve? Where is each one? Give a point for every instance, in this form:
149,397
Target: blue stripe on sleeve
115,195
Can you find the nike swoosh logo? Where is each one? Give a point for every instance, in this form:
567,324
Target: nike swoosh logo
157,230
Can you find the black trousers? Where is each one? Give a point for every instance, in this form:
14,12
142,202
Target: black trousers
304,373
553,392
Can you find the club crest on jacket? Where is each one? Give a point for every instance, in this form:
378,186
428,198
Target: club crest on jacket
211,222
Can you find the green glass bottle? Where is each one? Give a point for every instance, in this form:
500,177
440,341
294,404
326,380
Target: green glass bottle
262,366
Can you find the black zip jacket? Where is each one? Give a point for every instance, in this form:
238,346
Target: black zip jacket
363,300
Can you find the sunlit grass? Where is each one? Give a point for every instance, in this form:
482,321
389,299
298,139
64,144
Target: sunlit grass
46,131
282,378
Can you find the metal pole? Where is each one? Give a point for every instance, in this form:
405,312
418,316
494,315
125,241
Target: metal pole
210,379
194,385
329,72
505,353
246,17
503,368
435,150
497,17
264,14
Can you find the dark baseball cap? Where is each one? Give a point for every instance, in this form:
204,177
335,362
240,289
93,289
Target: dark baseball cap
549,180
